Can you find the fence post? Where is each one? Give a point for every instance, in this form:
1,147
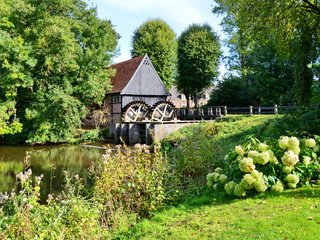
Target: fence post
259,110
276,109
250,110
225,110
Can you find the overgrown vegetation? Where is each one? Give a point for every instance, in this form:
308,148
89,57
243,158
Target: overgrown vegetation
131,185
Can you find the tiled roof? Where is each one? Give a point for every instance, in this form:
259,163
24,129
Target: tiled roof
124,73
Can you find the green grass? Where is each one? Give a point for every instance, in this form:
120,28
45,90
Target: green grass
294,214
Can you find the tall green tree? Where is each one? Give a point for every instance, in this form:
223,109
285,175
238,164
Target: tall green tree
62,57
292,25
198,60
156,38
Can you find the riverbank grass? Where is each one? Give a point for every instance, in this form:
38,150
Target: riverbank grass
294,214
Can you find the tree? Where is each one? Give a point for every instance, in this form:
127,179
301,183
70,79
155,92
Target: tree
156,38
198,60
64,51
291,25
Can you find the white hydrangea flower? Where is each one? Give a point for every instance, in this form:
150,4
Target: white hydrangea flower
239,150
273,158
292,178
239,191
263,147
306,160
287,169
223,179
216,177
278,187
296,150
293,142
246,165
218,170
310,143
292,185
284,142
253,154
290,158
260,185
229,187
210,177
263,158
256,174
247,181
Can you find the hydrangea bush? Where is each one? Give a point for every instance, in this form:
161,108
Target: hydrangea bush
257,167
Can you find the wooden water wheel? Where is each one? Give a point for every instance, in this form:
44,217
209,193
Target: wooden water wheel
136,111
162,111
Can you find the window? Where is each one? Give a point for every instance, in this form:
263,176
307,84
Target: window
116,98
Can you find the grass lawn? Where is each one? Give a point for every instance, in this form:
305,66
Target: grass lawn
294,214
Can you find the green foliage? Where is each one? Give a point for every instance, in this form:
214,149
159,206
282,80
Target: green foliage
156,38
290,28
67,217
198,59
258,167
130,184
195,149
54,56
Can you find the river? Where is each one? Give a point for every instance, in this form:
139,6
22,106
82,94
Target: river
51,161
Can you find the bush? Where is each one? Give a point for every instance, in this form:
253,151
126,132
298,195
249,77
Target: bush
68,216
256,167
129,183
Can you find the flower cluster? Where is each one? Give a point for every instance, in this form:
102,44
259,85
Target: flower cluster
255,168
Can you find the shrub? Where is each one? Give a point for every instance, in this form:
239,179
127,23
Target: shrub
256,167
68,216
129,183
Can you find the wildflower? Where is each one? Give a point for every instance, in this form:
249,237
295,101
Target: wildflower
246,165
38,179
247,181
28,172
306,160
239,191
229,187
293,143
292,178
256,174
263,158
50,198
284,142
218,170
239,150
223,179
260,185
22,177
287,169
277,187
290,158
263,147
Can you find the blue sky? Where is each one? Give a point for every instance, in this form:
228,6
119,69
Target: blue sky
127,15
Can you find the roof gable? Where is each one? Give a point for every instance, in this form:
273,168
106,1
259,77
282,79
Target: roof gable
137,76
124,72
145,81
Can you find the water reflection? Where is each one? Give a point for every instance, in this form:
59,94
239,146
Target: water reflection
50,161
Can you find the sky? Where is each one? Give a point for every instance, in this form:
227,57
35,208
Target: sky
128,15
